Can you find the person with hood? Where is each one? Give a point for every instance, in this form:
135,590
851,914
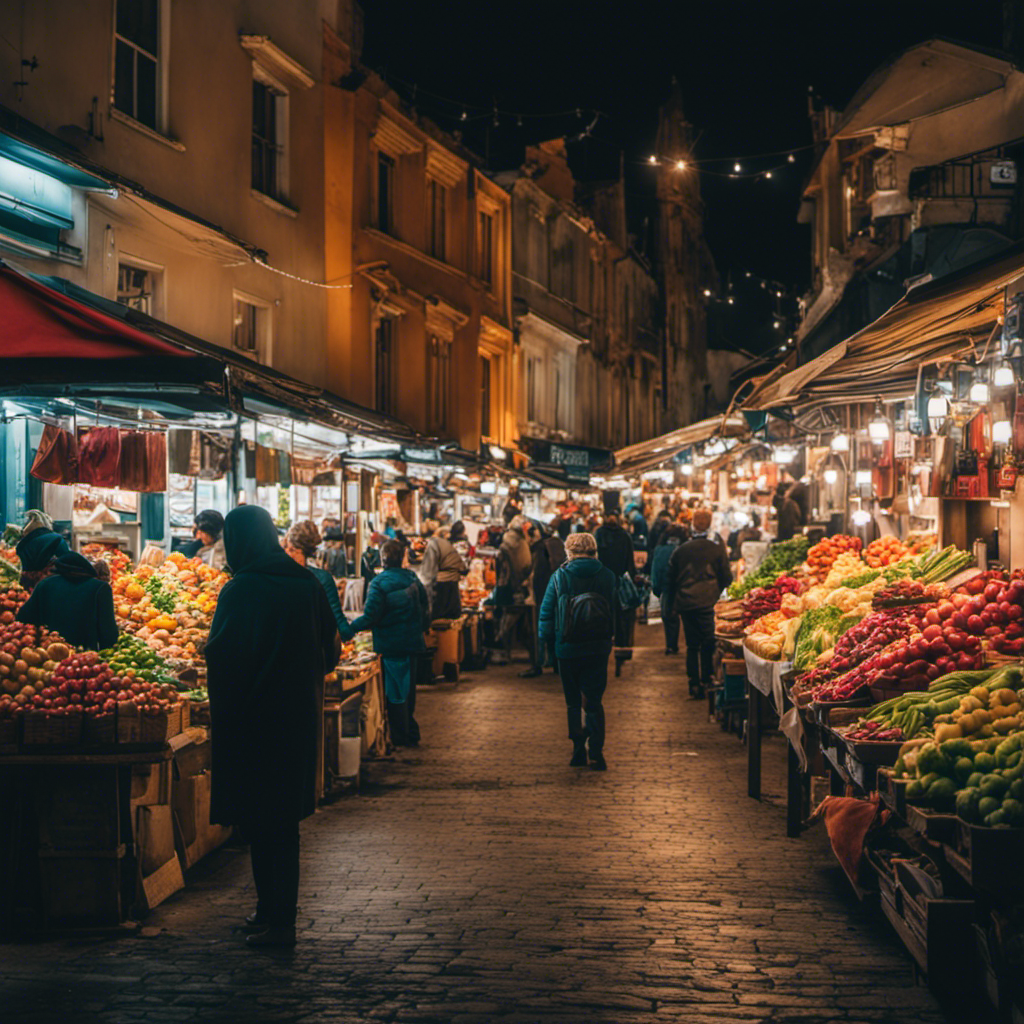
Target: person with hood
577,615
440,571
661,522
671,537
615,552
38,546
698,572
75,603
512,569
300,544
396,609
272,640
209,525
547,553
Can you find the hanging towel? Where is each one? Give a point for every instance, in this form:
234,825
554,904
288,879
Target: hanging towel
266,466
156,462
134,475
249,455
183,452
284,468
99,456
56,459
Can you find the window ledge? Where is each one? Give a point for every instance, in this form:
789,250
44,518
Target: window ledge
130,122
275,204
383,236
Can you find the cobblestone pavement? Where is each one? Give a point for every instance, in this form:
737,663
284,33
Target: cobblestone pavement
481,879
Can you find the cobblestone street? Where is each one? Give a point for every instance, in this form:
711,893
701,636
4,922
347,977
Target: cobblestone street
482,879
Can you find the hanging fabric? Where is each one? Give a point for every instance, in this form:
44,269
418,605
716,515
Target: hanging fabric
304,471
266,466
134,474
284,468
56,459
99,456
214,455
183,452
156,462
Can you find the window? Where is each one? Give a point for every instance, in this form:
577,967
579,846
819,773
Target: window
269,137
383,365
251,334
531,388
136,288
385,192
556,420
439,358
485,396
437,200
485,247
136,60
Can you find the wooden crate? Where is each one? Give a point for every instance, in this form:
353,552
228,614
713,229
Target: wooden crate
893,792
988,859
77,811
83,890
99,730
41,729
136,725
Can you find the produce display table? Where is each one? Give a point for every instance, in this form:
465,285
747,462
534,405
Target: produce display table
70,852
367,677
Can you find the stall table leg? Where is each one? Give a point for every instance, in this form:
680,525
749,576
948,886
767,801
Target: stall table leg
755,706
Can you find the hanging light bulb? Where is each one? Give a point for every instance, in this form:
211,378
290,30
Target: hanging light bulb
652,159
863,477
707,293
1002,431
463,116
938,410
878,428
860,517
979,392
731,300
737,168
1003,377
791,159
767,174
831,476
841,443
680,165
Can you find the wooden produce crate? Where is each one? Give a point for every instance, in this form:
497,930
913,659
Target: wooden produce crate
198,712
41,729
893,792
135,725
823,709
873,752
938,827
99,730
988,859
10,729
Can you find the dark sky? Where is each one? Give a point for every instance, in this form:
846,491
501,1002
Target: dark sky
745,69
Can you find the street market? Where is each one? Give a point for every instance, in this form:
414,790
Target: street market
485,546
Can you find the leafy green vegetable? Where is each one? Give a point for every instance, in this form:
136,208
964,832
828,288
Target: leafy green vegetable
779,560
862,579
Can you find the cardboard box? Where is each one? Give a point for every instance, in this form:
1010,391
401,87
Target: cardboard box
154,834
196,837
151,784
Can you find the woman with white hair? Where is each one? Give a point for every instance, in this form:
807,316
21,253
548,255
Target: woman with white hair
577,615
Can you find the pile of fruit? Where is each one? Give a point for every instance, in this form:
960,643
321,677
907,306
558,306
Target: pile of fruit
28,657
763,600
823,555
885,551
134,658
11,599
118,561
907,591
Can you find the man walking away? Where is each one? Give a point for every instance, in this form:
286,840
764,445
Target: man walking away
548,554
615,551
577,615
698,572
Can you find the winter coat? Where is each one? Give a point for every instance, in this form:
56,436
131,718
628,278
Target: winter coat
397,610
654,536
441,563
75,604
615,549
512,567
368,566
601,581
272,640
698,572
548,554
326,581
659,568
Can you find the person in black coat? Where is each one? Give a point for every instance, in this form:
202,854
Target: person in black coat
548,553
75,603
272,640
615,552
698,572
38,547
661,522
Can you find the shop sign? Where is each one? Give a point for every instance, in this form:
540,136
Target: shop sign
1002,174
575,461
903,445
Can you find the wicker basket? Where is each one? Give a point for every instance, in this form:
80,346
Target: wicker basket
99,730
42,729
9,729
160,726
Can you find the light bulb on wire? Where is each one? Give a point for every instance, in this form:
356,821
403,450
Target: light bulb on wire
737,168
680,165
652,159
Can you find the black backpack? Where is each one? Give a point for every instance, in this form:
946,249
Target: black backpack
586,615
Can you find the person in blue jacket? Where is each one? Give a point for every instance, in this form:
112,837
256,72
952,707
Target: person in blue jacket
583,667
397,610
671,537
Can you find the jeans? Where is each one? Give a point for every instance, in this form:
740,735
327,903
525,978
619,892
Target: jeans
583,683
670,623
405,730
274,852
699,633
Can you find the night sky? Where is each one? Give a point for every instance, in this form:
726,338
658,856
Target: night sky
745,70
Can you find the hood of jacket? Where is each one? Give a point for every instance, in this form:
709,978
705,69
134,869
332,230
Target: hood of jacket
583,567
251,544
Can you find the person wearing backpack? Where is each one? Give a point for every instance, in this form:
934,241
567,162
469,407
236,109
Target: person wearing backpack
577,614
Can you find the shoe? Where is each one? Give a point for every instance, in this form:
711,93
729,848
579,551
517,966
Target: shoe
281,938
579,758
254,923
671,650
531,673
598,763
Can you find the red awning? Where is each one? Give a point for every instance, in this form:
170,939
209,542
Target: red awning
37,322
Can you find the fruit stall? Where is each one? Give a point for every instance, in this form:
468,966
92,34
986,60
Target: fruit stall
897,671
